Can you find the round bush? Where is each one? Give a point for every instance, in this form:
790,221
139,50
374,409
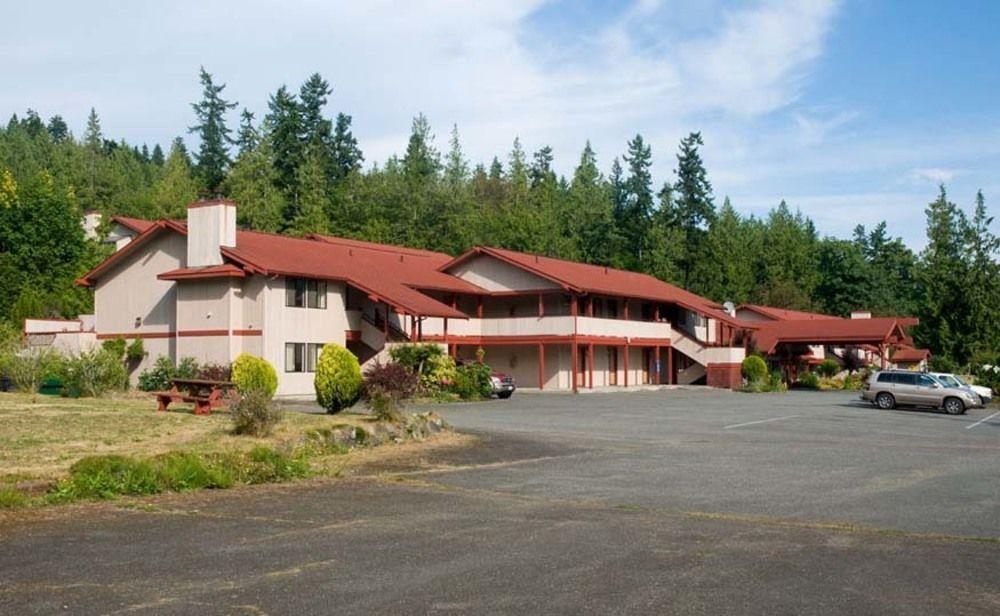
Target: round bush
254,374
754,368
828,368
338,378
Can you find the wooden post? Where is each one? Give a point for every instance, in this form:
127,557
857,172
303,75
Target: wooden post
420,330
446,330
625,364
413,327
541,305
385,323
573,307
590,365
574,360
625,310
670,365
541,366
656,365
479,307
454,301
656,312
590,305
881,353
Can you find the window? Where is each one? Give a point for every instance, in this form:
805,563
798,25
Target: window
906,379
926,381
305,293
301,356
886,377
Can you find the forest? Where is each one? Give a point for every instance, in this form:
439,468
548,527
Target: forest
300,169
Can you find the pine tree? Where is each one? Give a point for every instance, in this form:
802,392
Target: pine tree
247,138
346,154
456,168
316,129
982,248
421,161
176,187
313,200
157,156
93,140
636,208
591,214
728,270
58,129
693,208
213,151
284,124
252,183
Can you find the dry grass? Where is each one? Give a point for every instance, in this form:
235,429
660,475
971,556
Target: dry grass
41,436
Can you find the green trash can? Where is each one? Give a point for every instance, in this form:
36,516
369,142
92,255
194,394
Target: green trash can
51,387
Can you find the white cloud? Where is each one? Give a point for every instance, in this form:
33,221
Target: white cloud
934,175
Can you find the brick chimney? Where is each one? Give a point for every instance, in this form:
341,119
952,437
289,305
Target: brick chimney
211,225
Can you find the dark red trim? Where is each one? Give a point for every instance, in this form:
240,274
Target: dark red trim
248,332
198,333
143,335
549,339
352,335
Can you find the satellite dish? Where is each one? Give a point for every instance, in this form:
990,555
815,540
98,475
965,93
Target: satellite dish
730,308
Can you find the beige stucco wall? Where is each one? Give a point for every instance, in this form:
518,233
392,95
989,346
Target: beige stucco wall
283,324
206,305
495,275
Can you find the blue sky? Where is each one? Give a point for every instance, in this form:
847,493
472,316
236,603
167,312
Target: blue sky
851,111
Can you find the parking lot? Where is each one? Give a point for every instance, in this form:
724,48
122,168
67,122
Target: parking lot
683,502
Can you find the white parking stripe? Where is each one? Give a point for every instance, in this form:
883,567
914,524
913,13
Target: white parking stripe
750,423
983,420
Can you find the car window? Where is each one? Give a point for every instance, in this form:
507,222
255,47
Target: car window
950,381
885,377
906,379
927,381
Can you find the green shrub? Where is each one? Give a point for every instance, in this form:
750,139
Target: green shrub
157,377
754,369
435,368
116,347
264,465
179,471
338,378
135,351
253,413
187,368
387,387
473,382
12,498
770,383
828,368
942,364
29,368
254,374
809,380
104,477
92,374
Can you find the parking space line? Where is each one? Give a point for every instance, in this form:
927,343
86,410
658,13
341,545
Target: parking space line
983,420
750,423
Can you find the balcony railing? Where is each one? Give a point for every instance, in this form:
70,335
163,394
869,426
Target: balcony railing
548,326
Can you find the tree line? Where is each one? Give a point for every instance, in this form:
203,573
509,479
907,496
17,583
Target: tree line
299,169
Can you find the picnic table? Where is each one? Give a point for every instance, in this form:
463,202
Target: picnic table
204,394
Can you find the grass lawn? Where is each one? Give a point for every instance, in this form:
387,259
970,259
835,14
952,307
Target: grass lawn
41,436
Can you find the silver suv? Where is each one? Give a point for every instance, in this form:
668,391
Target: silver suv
892,388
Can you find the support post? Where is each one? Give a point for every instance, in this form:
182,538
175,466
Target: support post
670,365
590,305
573,306
590,366
625,364
479,307
541,366
541,305
656,312
385,323
574,361
656,365
625,309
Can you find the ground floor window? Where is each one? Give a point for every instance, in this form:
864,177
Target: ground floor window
301,356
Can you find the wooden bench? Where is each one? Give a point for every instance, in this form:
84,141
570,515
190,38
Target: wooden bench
203,394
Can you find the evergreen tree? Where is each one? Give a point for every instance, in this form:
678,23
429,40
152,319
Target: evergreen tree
58,129
247,138
252,183
213,151
731,252
312,191
176,187
421,161
157,156
981,248
636,210
945,314
592,218
843,282
284,124
693,207
346,154
456,168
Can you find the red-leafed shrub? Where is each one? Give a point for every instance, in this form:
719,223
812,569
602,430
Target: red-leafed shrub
387,387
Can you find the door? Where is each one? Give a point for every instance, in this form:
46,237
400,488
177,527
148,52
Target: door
647,360
905,388
927,391
581,368
612,365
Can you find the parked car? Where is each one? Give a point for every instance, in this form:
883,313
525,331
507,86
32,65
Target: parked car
891,388
503,385
955,382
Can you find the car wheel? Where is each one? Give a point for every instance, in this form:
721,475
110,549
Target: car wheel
885,401
954,406
503,395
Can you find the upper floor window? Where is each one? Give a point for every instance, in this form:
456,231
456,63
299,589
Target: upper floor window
305,293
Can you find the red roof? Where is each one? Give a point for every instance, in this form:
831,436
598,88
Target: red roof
226,270
783,314
828,331
910,354
136,224
582,277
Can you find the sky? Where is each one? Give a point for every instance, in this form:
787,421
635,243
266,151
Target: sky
852,111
